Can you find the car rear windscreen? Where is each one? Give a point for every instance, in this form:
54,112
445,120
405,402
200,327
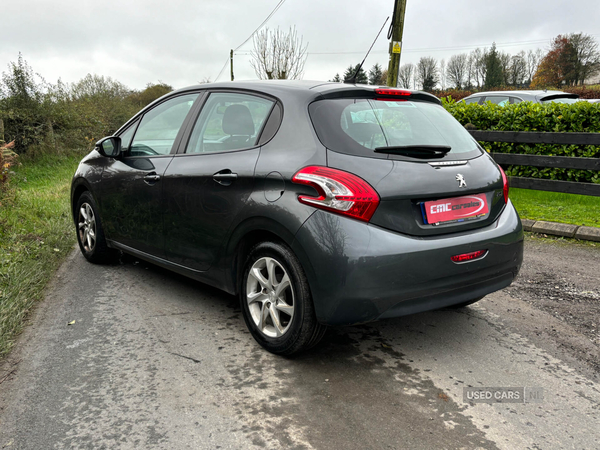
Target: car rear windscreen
568,100
359,126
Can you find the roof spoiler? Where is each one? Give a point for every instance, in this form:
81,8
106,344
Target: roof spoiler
372,94
563,95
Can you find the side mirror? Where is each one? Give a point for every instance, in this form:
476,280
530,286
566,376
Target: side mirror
109,146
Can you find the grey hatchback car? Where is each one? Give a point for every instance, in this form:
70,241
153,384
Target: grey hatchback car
316,203
503,98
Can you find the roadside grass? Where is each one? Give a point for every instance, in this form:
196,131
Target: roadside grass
556,207
36,234
559,240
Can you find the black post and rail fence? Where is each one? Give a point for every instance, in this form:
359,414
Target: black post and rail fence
561,162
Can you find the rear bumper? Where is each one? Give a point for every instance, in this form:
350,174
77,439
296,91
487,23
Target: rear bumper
360,272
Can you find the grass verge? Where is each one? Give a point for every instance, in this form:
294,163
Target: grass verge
36,234
559,240
557,207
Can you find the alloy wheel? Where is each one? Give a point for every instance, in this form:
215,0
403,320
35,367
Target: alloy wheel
270,297
87,227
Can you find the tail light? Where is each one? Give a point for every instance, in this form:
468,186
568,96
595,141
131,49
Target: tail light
339,192
505,185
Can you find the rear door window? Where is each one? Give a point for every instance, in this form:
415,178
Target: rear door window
500,100
472,100
229,121
359,126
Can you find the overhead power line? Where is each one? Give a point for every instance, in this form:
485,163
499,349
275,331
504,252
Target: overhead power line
430,49
281,2
262,24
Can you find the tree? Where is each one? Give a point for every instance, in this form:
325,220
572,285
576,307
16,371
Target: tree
479,65
504,60
557,67
99,103
406,75
336,79
471,71
361,77
547,74
517,71
24,105
19,84
149,94
427,73
586,57
278,55
96,86
442,74
375,74
458,70
571,60
533,62
493,69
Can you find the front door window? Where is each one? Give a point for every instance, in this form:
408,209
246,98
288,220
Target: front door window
159,127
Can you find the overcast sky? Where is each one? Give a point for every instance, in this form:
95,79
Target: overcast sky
181,42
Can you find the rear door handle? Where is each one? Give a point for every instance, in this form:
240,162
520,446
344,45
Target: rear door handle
225,177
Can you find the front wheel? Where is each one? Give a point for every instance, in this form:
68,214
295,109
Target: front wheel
90,235
276,301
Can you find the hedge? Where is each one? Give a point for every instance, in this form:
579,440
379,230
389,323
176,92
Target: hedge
587,92
528,116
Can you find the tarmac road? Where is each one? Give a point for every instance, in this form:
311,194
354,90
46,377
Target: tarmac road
154,360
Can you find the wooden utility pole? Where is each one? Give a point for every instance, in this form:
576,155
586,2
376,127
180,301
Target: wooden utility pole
231,63
397,28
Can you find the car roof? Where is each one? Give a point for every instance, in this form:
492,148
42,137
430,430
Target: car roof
535,94
307,88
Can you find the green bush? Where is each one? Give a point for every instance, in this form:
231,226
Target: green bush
42,117
527,116
23,105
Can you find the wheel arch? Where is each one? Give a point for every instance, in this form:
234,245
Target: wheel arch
79,187
245,236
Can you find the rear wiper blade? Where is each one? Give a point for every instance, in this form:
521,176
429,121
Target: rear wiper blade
416,151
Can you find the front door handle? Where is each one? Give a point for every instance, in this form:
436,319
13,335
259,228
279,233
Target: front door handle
151,178
225,177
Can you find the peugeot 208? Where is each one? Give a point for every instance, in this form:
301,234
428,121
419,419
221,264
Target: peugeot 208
316,203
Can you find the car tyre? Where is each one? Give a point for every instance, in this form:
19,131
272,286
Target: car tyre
90,234
276,300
